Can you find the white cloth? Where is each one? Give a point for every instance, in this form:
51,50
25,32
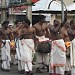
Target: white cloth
73,71
28,66
72,56
18,50
72,52
5,55
58,56
58,70
68,65
42,57
42,38
18,54
26,47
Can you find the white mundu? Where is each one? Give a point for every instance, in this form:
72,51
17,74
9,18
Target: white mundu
58,57
42,57
5,55
72,56
18,49
26,49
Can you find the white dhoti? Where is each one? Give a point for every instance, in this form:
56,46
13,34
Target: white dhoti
42,57
58,57
5,55
72,56
26,49
68,66
18,54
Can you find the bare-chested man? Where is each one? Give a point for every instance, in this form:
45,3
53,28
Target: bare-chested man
17,33
64,31
67,44
41,30
5,50
57,64
71,33
26,45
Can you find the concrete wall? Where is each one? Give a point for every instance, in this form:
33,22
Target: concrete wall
58,17
67,2
12,19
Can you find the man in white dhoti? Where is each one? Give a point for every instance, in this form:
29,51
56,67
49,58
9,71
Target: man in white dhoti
5,50
58,57
67,44
26,46
42,58
58,54
71,33
18,54
5,56
13,34
72,56
41,31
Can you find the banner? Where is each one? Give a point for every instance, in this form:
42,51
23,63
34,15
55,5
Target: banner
34,1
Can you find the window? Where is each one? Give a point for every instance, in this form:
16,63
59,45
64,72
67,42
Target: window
22,1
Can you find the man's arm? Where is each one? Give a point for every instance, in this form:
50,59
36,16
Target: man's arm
48,32
34,35
65,19
56,29
15,29
4,33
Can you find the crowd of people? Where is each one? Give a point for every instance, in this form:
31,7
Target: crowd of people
53,46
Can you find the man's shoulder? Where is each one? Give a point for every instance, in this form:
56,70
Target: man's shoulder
51,27
32,28
36,26
62,28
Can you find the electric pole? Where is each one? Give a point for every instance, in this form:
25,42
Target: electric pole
62,8
3,11
29,11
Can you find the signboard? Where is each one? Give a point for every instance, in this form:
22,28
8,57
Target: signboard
17,9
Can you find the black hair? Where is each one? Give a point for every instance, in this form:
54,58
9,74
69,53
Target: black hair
5,24
18,21
41,17
27,21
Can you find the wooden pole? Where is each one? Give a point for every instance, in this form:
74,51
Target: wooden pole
3,11
29,11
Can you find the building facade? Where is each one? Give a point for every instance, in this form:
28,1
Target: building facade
67,2
14,16
58,16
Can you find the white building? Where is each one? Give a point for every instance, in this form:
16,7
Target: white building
40,5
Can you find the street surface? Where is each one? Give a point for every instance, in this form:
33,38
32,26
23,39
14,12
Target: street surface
15,72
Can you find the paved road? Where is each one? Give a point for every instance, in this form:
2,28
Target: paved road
14,72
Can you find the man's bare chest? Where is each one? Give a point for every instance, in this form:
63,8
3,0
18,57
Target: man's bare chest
41,28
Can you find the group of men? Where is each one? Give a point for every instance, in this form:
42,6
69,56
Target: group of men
21,37
63,46
26,38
